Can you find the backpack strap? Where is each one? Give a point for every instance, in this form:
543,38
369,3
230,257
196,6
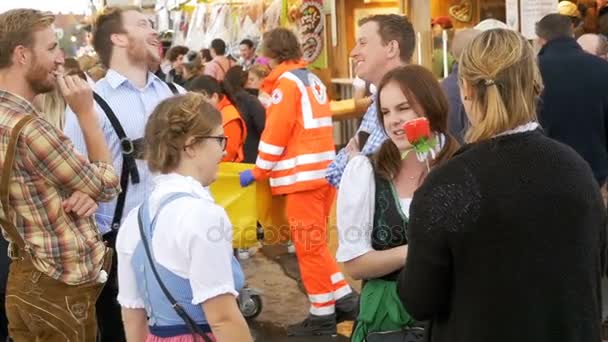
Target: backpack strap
7,168
129,167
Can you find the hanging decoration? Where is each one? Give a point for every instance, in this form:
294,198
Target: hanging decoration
310,26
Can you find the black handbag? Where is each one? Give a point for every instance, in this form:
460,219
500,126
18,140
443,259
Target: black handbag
413,334
190,323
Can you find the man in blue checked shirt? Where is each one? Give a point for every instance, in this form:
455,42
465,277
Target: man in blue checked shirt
125,42
384,42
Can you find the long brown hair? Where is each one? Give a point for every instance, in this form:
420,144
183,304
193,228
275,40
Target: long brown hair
421,88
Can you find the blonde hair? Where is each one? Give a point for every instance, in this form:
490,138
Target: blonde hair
172,122
87,62
97,72
260,70
52,106
499,66
91,66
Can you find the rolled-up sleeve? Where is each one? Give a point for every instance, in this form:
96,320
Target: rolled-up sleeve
52,155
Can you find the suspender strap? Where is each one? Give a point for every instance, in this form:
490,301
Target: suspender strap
190,323
7,169
172,87
122,196
129,167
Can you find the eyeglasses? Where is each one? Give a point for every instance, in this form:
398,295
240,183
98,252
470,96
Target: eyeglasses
221,139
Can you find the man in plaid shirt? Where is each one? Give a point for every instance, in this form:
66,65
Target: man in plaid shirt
384,42
59,259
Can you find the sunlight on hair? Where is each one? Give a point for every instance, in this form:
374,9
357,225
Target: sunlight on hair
500,68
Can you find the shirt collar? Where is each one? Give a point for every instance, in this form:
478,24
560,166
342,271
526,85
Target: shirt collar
18,101
527,127
115,79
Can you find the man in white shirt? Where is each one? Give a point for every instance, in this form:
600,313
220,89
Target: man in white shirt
125,43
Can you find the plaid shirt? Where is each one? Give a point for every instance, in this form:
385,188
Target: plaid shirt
369,124
47,171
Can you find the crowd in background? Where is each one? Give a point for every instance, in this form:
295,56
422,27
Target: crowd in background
489,226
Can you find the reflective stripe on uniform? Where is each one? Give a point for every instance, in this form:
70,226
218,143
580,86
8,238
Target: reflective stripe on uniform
304,159
264,164
321,298
343,291
309,120
298,177
336,277
323,311
271,149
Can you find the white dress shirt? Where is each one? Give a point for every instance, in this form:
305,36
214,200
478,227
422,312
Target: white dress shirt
192,238
132,107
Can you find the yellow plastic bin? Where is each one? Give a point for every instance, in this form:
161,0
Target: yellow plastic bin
246,206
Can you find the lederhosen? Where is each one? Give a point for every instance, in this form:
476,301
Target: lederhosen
63,308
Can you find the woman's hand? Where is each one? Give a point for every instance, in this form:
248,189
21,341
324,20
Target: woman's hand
352,148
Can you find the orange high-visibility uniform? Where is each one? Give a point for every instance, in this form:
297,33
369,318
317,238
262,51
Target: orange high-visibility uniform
235,129
295,149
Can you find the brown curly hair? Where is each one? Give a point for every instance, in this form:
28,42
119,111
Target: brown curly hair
281,44
171,124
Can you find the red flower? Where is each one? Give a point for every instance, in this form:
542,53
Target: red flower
417,130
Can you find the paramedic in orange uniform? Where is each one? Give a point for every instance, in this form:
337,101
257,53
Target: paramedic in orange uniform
295,149
234,125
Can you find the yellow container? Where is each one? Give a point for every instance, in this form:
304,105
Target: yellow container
246,206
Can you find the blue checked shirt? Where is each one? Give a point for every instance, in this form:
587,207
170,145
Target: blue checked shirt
369,124
132,107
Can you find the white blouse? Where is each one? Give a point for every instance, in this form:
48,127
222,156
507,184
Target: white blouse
192,238
355,209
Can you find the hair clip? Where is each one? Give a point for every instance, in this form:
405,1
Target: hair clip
488,82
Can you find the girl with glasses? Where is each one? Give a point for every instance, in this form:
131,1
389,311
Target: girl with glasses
187,234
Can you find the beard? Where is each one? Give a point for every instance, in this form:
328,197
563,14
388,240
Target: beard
138,53
37,78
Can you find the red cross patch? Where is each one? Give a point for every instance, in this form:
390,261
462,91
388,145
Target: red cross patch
318,88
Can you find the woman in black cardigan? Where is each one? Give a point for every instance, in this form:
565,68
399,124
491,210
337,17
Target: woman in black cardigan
505,240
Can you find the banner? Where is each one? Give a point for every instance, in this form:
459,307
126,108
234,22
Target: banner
311,26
